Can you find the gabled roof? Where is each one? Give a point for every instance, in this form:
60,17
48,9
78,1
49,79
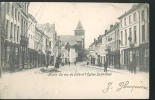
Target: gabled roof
113,28
70,38
30,16
134,7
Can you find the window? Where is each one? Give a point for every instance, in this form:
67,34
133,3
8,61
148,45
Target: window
143,33
135,36
15,13
148,32
122,56
134,17
130,19
14,32
7,27
125,57
17,33
121,23
147,12
142,15
125,21
122,38
11,30
146,52
26,28
125,37
18,15
12,10
0,7
130,32
22,26
8,6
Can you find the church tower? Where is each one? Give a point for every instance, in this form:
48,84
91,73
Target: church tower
79,31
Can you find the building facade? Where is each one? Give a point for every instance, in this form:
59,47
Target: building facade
76,41
31,34
112,46
106,48
134,31
144,37
15,25
53,48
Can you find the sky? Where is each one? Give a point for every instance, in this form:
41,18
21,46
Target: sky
95,17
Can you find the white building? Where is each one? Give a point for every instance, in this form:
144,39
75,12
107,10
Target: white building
112,45
133,24
15,23
51,36
31,31
31,34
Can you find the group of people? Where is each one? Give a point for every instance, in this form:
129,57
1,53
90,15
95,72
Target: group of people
105,66
58,62
74,63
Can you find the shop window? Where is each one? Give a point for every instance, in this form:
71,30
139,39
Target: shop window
134,17
143,33
142,15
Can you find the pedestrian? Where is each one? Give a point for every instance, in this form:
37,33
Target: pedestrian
58,62
69,63
134,64
47,60
87,63
75,63
105,67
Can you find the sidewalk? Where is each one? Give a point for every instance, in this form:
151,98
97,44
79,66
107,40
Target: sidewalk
123,71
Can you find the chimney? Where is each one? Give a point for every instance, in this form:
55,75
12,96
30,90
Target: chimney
105,31
111,26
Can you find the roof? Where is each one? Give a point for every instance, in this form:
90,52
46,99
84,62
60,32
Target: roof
134,7
113,28
48,27
30,16
70,38
79,26
101,36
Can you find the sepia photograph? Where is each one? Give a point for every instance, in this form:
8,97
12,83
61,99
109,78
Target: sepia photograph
74,50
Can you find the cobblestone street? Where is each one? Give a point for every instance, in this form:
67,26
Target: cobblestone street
33,83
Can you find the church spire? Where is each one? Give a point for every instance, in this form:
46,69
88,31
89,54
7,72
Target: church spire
79,26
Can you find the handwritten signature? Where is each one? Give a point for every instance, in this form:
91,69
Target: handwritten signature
123,85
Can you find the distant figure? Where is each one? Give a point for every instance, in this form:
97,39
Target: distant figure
58,61
75,63
105,67
69,63
47,60
87,63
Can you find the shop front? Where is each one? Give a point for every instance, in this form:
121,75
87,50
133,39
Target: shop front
11,56
132,55
144,57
